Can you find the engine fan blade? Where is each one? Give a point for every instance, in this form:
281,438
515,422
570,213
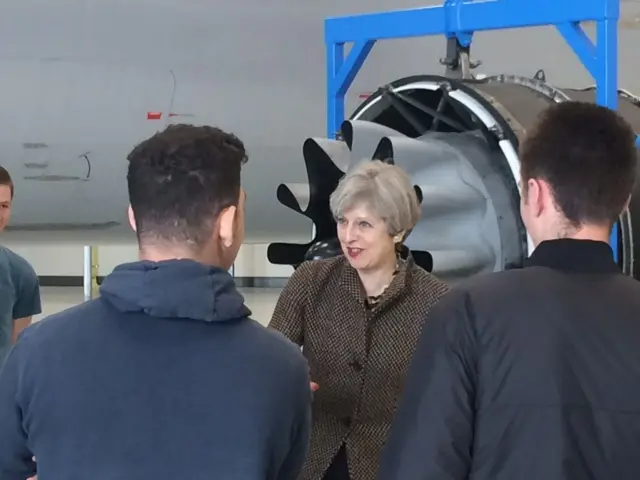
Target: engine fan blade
294,196
362,139
337,151
450,265
457,220
323,176
287,253
285,196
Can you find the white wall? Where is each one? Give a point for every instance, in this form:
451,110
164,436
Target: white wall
64,259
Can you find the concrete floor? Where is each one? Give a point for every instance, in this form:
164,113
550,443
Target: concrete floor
261,301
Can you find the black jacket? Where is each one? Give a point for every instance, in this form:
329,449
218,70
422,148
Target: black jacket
528,374
163,377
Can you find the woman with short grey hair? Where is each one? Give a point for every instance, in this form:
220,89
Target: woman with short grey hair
383,189
358,317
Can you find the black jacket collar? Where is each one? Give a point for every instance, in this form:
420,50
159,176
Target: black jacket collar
578,256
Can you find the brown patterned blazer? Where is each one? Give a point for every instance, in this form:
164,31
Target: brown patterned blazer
358,355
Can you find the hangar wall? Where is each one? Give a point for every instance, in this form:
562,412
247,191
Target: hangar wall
61,264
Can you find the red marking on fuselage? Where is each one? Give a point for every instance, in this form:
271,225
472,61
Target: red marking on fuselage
158,115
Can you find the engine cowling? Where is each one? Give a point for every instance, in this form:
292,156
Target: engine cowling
458,140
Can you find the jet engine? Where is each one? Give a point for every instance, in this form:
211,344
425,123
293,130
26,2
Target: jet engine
458,140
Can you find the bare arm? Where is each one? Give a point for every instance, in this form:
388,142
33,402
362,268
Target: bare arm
19,325
28,301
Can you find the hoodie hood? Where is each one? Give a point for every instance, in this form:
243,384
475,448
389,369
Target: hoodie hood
175,289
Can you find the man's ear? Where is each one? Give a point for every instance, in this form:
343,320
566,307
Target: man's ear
535,193
132,219
226,226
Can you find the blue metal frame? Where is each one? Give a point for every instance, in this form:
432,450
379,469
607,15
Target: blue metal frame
461,18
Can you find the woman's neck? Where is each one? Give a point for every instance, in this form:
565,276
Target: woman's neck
375,281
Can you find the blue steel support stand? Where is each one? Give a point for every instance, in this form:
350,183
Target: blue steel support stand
461,18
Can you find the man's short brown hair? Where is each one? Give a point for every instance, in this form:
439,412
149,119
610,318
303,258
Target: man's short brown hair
587,153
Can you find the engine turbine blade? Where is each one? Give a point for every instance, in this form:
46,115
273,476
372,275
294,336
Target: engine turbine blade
362,139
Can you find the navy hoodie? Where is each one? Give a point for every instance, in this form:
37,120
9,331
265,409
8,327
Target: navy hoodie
164,377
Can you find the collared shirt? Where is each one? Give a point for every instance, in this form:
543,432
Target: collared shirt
576,256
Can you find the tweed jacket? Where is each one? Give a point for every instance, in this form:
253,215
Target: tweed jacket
358,355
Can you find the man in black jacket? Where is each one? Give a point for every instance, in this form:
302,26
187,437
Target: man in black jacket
534,373
165,376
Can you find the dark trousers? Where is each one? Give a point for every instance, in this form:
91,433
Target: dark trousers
339,469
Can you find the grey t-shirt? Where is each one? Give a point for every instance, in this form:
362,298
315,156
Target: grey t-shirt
19,295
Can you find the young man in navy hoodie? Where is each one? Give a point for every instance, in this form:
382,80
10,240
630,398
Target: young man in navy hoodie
165,376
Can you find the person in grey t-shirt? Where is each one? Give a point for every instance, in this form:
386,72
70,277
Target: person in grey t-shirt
19,287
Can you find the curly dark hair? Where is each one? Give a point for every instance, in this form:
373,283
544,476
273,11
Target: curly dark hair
180,179
5,179
588,155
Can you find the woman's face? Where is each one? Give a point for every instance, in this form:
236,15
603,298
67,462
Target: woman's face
364,238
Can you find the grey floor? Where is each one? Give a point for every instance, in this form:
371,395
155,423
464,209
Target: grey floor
261,301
